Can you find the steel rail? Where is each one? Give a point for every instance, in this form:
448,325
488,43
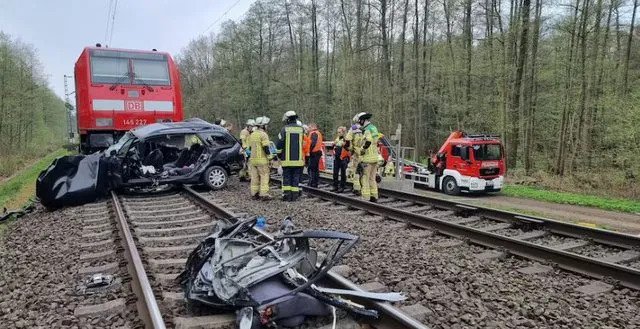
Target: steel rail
612,238
606,237
398,319
625,276
146,301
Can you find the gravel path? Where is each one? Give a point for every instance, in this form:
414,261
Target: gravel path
459,289
39,263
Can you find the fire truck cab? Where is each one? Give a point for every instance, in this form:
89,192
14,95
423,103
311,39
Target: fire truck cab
469,163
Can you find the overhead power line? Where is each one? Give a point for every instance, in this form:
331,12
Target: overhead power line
106,31
221,17
113,19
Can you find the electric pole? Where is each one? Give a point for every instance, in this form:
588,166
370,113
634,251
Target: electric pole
70,109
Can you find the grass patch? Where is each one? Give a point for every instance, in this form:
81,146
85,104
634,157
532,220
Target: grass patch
615,204
15,192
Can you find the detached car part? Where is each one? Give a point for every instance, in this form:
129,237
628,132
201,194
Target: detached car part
271,282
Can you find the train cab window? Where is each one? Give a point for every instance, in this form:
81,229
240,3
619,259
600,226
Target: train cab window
152,72
109,69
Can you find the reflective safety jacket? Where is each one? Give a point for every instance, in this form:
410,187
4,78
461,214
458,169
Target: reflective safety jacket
371,135
289,145
355,138
244,135
256,143
316,141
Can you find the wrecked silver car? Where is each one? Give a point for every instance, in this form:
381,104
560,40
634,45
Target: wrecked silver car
270,283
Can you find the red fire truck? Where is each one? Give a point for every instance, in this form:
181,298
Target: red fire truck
119,89
469,163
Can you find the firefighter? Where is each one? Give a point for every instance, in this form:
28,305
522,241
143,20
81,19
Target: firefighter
291,156
315,153
353,143
244,136
258,145
340,161
370,157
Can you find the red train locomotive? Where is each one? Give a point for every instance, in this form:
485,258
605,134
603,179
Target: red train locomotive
119,89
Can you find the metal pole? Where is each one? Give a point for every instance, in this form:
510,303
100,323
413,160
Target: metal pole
68,106
398,152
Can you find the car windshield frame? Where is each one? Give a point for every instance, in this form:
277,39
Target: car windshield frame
486,152
117,147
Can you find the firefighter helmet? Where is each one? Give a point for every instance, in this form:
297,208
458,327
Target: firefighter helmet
289,115
362,116
262,121
251,122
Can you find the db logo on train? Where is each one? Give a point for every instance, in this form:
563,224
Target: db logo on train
133,106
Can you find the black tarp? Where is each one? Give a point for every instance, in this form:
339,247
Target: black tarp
73,180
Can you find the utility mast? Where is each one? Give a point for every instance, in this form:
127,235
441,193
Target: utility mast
70,109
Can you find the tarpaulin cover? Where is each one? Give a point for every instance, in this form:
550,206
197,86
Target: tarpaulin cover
73,180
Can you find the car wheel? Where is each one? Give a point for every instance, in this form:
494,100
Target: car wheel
449,186
216,177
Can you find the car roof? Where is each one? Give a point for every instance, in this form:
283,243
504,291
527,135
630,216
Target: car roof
184,127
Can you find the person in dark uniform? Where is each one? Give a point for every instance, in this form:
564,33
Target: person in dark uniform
290,152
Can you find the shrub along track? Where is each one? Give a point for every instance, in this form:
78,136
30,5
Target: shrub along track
461,284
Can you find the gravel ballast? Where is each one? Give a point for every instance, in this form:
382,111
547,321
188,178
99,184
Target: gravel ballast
39,280
460,289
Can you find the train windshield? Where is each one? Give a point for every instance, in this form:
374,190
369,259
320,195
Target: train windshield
120,67
487,152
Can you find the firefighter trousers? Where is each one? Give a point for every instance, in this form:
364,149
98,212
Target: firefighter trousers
259,179
291,181
353,175
369,184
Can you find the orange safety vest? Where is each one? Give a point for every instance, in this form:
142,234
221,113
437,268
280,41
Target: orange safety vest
306,145
319,144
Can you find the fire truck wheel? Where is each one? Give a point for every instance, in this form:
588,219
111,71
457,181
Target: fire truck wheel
449,186
216,177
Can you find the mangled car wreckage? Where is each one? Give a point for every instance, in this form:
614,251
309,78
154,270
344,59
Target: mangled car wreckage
270,283
189,152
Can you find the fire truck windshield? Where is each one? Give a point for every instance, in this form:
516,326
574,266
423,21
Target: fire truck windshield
483,152
111,66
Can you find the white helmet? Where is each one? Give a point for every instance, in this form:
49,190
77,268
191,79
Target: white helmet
289,115
251,122
362,116
262,121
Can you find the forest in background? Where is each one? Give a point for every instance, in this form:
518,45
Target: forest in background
32,117
556,79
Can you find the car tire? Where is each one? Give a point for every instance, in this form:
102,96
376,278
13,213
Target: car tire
216,177
449,186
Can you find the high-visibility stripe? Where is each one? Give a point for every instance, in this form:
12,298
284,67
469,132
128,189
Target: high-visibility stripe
295,189
287,188
293,156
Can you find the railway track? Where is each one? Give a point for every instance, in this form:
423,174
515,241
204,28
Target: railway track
147,240
605,255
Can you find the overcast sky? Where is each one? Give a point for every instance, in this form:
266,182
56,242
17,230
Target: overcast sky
59,29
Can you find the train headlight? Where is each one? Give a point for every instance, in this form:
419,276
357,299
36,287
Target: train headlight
104,122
